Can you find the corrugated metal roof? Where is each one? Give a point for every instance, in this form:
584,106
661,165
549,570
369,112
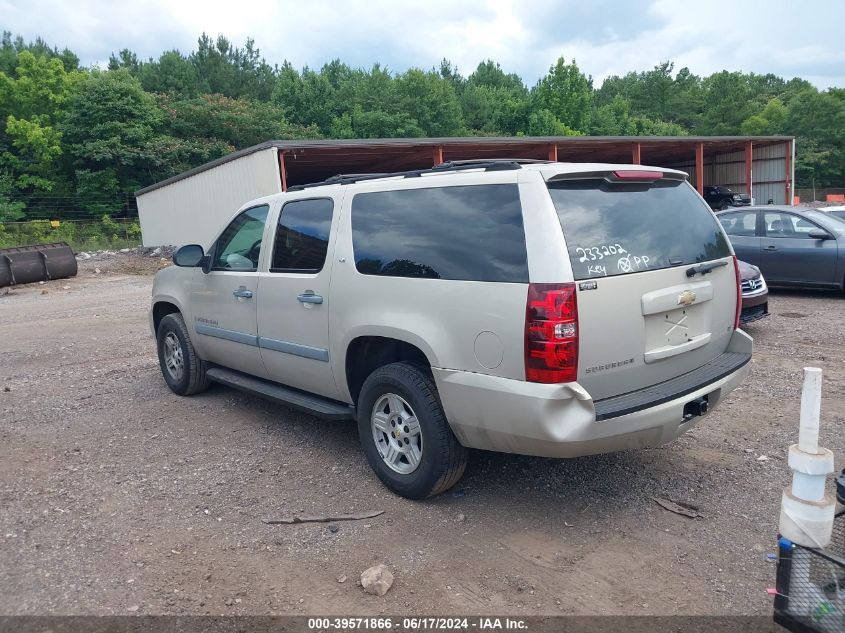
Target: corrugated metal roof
656,149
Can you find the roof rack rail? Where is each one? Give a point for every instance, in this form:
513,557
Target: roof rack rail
484,161
498,164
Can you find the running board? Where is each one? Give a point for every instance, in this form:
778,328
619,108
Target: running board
293,398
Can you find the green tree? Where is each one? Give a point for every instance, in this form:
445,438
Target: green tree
11,47
567,94
431,101
172,74
770,120
818,119
730,100
655,95
307,98
545,123
11,209
494,102
375,124
126,59
109,129
231,71
237,123
615,119
32,104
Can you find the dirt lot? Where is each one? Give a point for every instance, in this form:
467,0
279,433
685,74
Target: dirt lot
118,497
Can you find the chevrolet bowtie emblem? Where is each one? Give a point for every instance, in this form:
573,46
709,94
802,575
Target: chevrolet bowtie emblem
687,297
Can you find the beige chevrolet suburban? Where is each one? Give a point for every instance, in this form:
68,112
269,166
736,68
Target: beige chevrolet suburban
519,306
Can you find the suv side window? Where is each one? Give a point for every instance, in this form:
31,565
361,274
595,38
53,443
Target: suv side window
302,236
742,224
239,246
471,232
787,225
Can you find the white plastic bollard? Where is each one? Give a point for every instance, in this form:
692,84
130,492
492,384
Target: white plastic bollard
806,514
811,405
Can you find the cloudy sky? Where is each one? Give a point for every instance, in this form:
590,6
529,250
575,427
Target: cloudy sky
605,37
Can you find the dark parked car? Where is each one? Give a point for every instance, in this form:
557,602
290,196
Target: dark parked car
755,294
719,197
792,246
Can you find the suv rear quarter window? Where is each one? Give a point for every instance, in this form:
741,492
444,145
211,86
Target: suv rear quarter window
622,228
470,232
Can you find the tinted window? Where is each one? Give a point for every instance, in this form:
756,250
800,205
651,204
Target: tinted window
614,229
239,245
302,236
472,232
742,224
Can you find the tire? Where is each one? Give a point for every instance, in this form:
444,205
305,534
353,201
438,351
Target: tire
172,334
404,392
725,206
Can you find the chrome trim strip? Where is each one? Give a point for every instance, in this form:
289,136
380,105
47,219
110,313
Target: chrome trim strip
286,347
228,335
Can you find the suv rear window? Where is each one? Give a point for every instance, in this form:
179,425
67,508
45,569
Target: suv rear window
620,228
470,232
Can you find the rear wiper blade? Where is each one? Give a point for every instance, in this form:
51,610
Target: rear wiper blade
703,269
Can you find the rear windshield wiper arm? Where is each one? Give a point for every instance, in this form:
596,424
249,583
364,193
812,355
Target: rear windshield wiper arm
703,269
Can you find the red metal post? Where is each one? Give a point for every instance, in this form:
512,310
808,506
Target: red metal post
635,155
788,176
699,168
438,155
553,153
283,171
749,162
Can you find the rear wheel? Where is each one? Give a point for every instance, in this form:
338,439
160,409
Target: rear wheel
183,370
405,435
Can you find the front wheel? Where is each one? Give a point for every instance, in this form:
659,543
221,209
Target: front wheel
405,435
183,370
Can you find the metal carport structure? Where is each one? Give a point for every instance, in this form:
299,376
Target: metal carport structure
762,166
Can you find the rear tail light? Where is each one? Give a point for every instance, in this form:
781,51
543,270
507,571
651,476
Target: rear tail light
738,292
551,333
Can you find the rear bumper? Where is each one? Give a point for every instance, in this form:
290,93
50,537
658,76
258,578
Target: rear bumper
514,416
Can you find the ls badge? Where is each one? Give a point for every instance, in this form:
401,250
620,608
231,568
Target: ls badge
686,298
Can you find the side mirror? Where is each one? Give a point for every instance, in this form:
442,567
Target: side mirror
819,234
189,256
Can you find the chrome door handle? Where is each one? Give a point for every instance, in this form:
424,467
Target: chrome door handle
309,297
242,293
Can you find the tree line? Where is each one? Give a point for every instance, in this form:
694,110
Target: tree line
78,141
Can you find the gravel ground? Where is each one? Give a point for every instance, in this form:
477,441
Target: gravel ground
118,497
